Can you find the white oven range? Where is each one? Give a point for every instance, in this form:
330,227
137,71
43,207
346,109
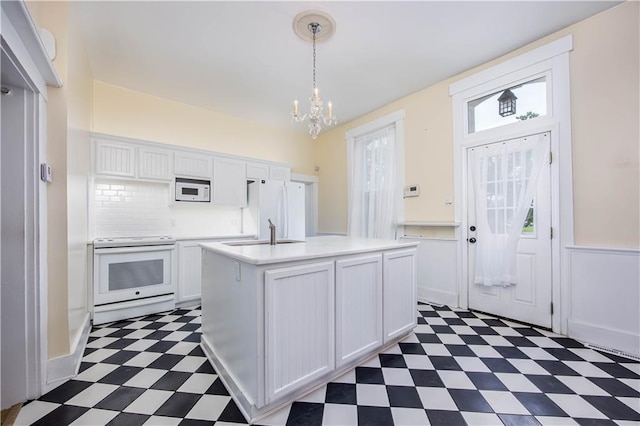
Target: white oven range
133,276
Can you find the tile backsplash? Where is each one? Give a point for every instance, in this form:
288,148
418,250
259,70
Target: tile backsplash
132,208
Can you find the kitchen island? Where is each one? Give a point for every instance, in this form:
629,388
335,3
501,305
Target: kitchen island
278,321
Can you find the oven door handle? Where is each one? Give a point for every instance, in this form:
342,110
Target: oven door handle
138,249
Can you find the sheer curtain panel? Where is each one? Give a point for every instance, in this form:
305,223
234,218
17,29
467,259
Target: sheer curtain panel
505,177
373,184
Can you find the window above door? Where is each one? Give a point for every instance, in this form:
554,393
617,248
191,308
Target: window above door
524,101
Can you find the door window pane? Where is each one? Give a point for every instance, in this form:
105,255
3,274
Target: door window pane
531,102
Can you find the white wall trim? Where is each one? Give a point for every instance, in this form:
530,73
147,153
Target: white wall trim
552,59
525,60
606,337
24,40
65,367
437,270
374,125
604,250
604,297
437,297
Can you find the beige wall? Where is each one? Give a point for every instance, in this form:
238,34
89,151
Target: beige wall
605,126
79,93
123,112
53,17
68,122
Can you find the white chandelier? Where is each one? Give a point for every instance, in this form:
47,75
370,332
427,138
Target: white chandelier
315,116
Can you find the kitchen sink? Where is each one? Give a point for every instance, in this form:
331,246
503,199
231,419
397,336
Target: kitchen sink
260,242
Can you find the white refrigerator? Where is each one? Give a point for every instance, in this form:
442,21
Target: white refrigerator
282,202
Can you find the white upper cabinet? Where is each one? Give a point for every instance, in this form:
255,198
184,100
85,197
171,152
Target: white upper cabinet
154,163
257,171
192,165
279,173
115,159
229,182
134,159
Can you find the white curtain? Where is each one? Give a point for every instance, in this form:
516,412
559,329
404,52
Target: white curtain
372,175
505,177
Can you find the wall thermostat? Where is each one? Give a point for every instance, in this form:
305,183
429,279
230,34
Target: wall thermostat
411,191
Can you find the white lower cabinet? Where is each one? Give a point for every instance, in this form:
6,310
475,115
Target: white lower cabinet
299,326
358,306
399,293
189,271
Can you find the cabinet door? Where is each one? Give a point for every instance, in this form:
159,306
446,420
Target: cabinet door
229,182
299,326
154,164
399,293
257,171
189,271
192,165
115,159
358,306
279,173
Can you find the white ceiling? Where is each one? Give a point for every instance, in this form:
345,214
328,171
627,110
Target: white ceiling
243,58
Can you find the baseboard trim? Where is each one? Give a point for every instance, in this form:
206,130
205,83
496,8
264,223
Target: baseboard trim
63,368
606,337
439,297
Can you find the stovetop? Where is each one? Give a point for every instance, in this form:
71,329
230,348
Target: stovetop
133,241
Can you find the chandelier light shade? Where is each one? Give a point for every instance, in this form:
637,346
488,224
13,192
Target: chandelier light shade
319,26
507,103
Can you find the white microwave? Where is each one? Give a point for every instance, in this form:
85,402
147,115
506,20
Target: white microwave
193,190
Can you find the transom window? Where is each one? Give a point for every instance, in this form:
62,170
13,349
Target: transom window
530,103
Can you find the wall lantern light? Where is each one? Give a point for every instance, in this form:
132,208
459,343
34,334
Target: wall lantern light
507,103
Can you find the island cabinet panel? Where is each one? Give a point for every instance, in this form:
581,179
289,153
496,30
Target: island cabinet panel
399,292
299,326
358,306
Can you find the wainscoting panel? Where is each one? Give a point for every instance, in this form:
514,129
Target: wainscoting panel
605,297
437,270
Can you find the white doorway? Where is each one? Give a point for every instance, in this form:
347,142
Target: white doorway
19,257
492,210
25,72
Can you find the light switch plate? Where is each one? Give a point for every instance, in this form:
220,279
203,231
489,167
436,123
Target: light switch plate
45,172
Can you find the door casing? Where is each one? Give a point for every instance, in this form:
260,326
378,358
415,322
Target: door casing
553,57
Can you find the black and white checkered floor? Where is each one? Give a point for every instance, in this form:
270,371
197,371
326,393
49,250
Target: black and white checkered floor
458,367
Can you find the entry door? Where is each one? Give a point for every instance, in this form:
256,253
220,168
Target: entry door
529,299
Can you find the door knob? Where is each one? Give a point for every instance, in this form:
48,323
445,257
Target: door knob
472,240
472,228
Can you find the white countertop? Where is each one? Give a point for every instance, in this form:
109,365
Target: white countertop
312,248
215,237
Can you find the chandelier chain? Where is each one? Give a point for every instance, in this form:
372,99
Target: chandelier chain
315,116
314,30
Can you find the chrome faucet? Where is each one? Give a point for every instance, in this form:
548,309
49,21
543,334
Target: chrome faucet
272,233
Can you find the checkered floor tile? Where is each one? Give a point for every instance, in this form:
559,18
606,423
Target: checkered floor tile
457,368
